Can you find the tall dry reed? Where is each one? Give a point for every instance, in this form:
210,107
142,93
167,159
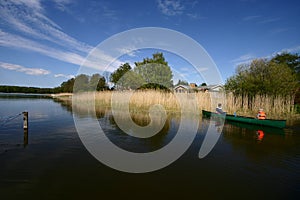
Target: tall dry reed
277,108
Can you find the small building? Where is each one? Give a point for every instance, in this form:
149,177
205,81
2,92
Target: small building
193,85
193,88
216,88
181,88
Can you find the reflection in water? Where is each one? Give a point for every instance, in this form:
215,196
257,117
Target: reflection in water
56,165
121,139
271,140
260,135
265,129
25,143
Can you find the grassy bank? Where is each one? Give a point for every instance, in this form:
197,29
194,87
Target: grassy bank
140,101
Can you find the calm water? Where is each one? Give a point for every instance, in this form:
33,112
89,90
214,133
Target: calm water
52,163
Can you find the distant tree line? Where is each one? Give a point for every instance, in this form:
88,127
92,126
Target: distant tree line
86,83
20,89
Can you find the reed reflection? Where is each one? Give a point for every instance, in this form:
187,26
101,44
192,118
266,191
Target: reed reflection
135,144
122,139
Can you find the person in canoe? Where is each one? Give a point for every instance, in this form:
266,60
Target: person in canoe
261,114
219,109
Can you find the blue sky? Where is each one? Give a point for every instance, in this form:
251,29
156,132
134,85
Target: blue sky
43,43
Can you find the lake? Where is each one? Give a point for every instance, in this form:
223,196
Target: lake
50,161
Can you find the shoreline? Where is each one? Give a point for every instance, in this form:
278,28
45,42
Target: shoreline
59,95
142,100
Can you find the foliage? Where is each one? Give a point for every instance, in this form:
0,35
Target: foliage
119,73
291,60
84,83
155,71
131,80
263,77
20,89
81,83
151,73
97,82
67,86
181,82
203,84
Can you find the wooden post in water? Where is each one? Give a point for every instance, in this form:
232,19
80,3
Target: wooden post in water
25,143
25,120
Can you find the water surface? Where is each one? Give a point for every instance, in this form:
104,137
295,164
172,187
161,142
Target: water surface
52,163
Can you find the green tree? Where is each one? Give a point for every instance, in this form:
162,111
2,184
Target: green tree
181,82
97,82
155,72
81,83
291,60
67,86
121,71
263,77
132,80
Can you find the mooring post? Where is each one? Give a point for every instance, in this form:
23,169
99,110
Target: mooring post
25,143
25,120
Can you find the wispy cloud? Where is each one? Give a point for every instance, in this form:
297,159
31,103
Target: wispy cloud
295,49
18,42
260,19
243,59
62,5
193,70
251,17
35,32
26,70
247,58
98,59
28,17
279,30
130,51
170,7
195,16
64,76
269,20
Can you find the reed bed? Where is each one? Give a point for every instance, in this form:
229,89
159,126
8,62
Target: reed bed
140,101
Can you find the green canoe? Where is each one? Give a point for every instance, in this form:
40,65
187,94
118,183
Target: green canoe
248,120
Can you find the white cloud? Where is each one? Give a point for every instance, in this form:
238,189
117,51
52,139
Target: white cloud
192,70
19,68
28,17
98,59
62,4
248,58
170,7
251,17
130,51
32,28
295,49
64,76
195,16
243,59
269,20
18,42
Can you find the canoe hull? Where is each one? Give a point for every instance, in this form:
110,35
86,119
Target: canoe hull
248,120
